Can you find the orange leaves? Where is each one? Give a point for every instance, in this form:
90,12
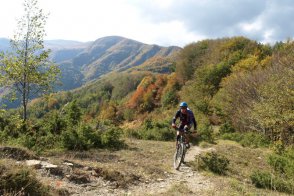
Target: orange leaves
148,93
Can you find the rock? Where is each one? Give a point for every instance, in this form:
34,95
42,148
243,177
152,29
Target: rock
34,163
68,164
47,165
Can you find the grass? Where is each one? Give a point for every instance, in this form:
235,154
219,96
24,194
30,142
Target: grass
243,162
143,160
147,160
178,189
16,179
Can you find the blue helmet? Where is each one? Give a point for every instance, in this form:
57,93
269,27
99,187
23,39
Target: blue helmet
183,104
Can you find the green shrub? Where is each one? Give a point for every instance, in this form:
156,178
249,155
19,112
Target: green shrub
69,139
237,137
282,177
82,137
211,161
132,133
283,164
38,142
278,162
163,134
255,140
206,133
169,98
152,130
148,124
261,179
289,154
111,138
249,139
279,147
226,128
269,181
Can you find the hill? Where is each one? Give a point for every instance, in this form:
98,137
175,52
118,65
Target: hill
82,62
104,55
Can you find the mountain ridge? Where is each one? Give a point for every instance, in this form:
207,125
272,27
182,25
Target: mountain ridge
81,62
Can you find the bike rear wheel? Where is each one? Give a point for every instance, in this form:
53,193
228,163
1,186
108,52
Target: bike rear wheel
179,155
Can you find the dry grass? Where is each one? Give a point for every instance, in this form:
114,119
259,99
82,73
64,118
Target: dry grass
148,160
243,161
17,179
143,161
178,189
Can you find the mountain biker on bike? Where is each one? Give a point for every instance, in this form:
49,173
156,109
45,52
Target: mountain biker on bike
186,119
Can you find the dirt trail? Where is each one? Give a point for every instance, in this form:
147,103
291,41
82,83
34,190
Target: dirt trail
193,180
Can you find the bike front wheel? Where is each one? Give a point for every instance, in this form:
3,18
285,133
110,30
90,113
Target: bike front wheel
179,155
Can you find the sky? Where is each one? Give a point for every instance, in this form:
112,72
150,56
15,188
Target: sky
161,22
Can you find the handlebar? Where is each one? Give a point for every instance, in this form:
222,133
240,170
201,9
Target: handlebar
178,129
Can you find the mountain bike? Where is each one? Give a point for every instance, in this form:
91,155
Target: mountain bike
180,150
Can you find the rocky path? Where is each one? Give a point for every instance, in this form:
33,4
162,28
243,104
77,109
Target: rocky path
74,179
195,182
185,175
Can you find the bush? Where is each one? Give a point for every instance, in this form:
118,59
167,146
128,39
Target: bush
279,147
226,128
111,138
206,133
82,137
211,161
261,179
249,139
164,134
237,137
278,162
131,133
38,142
153,130
283,164
169,98
252,139
282,177
269,181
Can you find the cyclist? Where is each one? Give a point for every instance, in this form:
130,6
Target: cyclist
186,119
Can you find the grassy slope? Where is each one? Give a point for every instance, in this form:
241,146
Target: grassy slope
146,161
150,160
243,161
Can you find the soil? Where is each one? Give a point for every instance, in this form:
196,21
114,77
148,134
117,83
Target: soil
89,181
70,178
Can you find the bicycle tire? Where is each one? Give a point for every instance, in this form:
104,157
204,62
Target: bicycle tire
179,154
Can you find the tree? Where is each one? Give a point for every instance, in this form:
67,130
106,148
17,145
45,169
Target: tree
27,69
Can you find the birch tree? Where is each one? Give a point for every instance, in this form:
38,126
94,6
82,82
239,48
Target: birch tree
27,69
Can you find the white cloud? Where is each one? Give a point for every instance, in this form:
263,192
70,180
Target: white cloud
162,22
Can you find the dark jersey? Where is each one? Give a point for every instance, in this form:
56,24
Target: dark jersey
186,119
